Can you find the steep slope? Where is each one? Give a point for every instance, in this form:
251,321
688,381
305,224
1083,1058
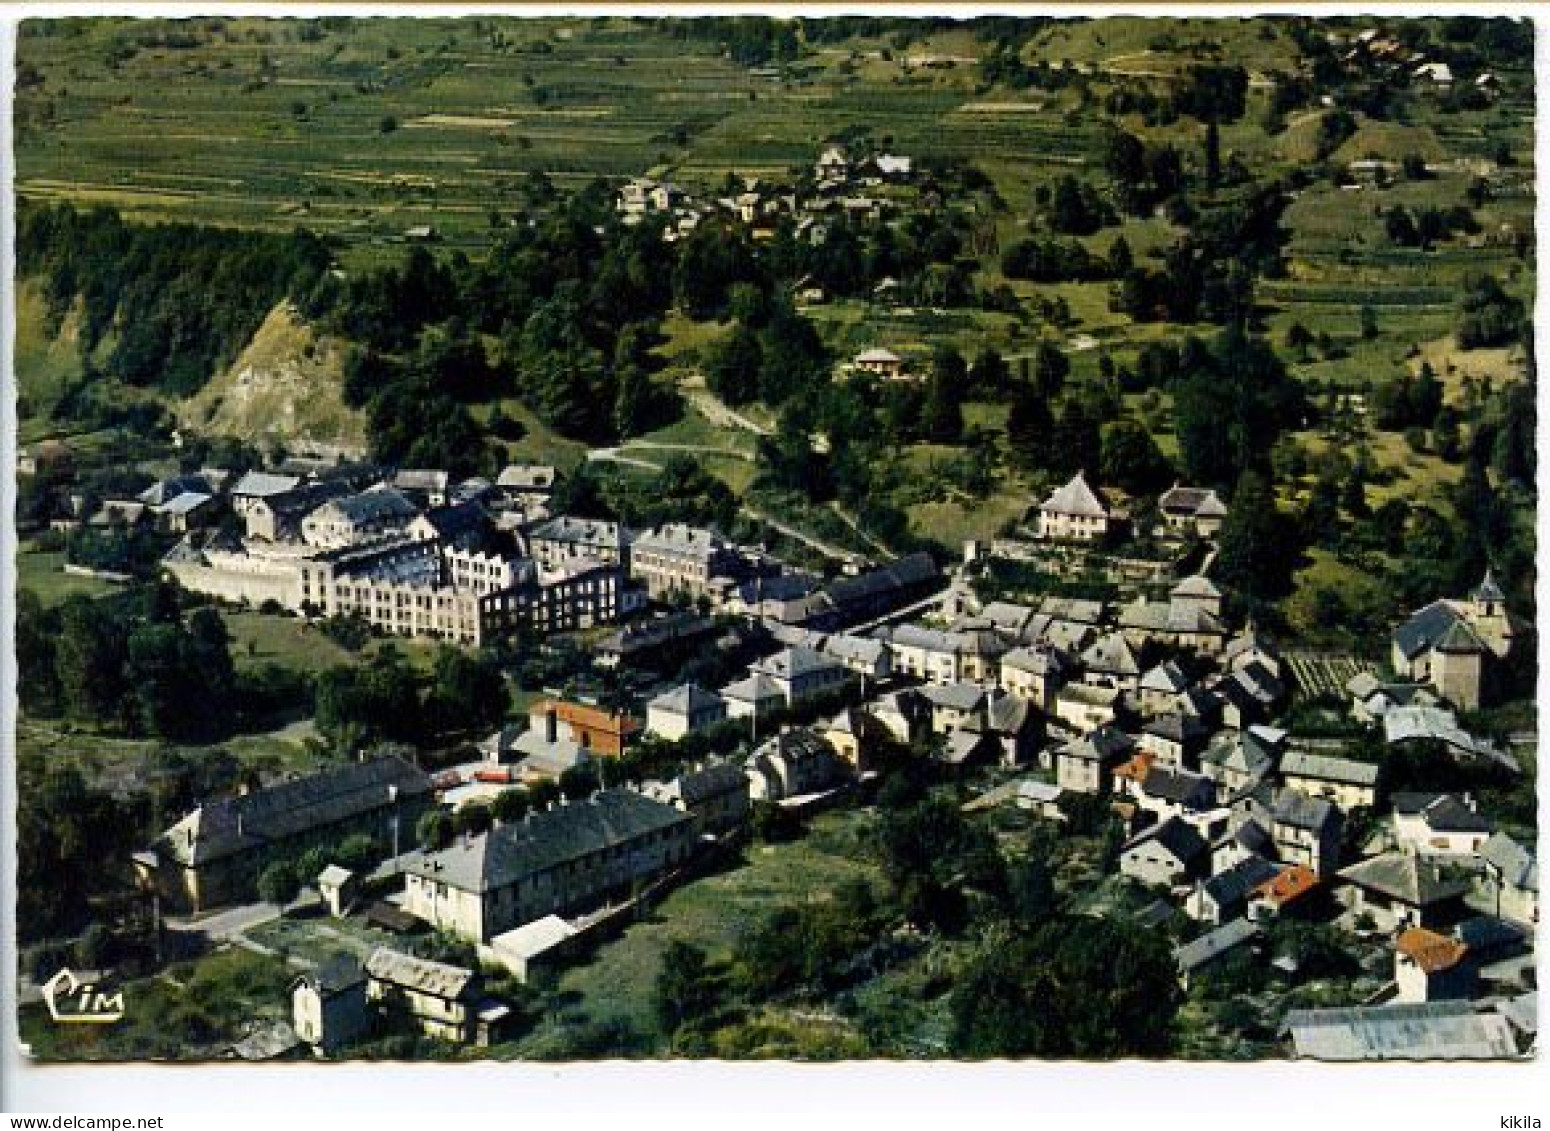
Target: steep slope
284,389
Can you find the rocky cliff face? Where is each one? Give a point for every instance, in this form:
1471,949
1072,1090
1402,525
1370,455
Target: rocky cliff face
284,389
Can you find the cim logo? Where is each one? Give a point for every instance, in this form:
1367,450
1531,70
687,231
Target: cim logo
73,1001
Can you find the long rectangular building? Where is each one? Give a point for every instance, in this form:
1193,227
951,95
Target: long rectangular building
556,862
410,587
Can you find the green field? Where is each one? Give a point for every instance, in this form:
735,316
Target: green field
42,572
619,980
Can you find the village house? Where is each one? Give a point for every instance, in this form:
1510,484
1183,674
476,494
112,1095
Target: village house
339,888
793,763
680,559
1200,954
562,540
328,1005
1431,967
927,654
1350,785
1250,647
1175,793
1293,891
1081,707
1192,510
181,503
1398,890
594,729
882,363
1175,740
1177,624
442,1001
256,485
1165,855
1511,875
1034,674
1249,695
1430,1031
355,519
1303,830
685,710
461,526
1013,724
524,485
1226,894
715,795
1439,824
1455,646
1199,592
278,516
851,733
647,643
753,697
422,486
1075,512
954,706
1086,764
905,715
801,673
215,854
1110,662
565,859
866,657
1160,686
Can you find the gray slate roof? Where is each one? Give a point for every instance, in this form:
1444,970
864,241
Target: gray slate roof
375,505
1177,836
685,700
289,809
260,484
1076,498
1517,865
1425,628
1207,948
452,983
1322,767
541,841
1439,1030
1411,879
1233,885
1111,655
711,781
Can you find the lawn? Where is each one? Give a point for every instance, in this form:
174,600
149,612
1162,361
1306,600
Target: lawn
191,1011
711,913
42,572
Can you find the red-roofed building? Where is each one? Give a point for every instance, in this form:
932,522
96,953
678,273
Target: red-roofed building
1431,967
1277,896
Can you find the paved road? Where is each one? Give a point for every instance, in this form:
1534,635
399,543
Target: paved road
227,925
616,455
714,410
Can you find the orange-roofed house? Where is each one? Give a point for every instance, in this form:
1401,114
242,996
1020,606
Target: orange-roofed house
1431,967
1288,892
1130,774
600,732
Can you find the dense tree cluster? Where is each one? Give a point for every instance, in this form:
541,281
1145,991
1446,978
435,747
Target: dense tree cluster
132,662
176,301
386,700
1070,987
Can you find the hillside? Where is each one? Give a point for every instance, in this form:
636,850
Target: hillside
283,389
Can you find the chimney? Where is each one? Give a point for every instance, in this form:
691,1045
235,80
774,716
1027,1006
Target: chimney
551,724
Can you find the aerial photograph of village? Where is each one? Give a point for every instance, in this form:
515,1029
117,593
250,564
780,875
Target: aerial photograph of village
775,538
